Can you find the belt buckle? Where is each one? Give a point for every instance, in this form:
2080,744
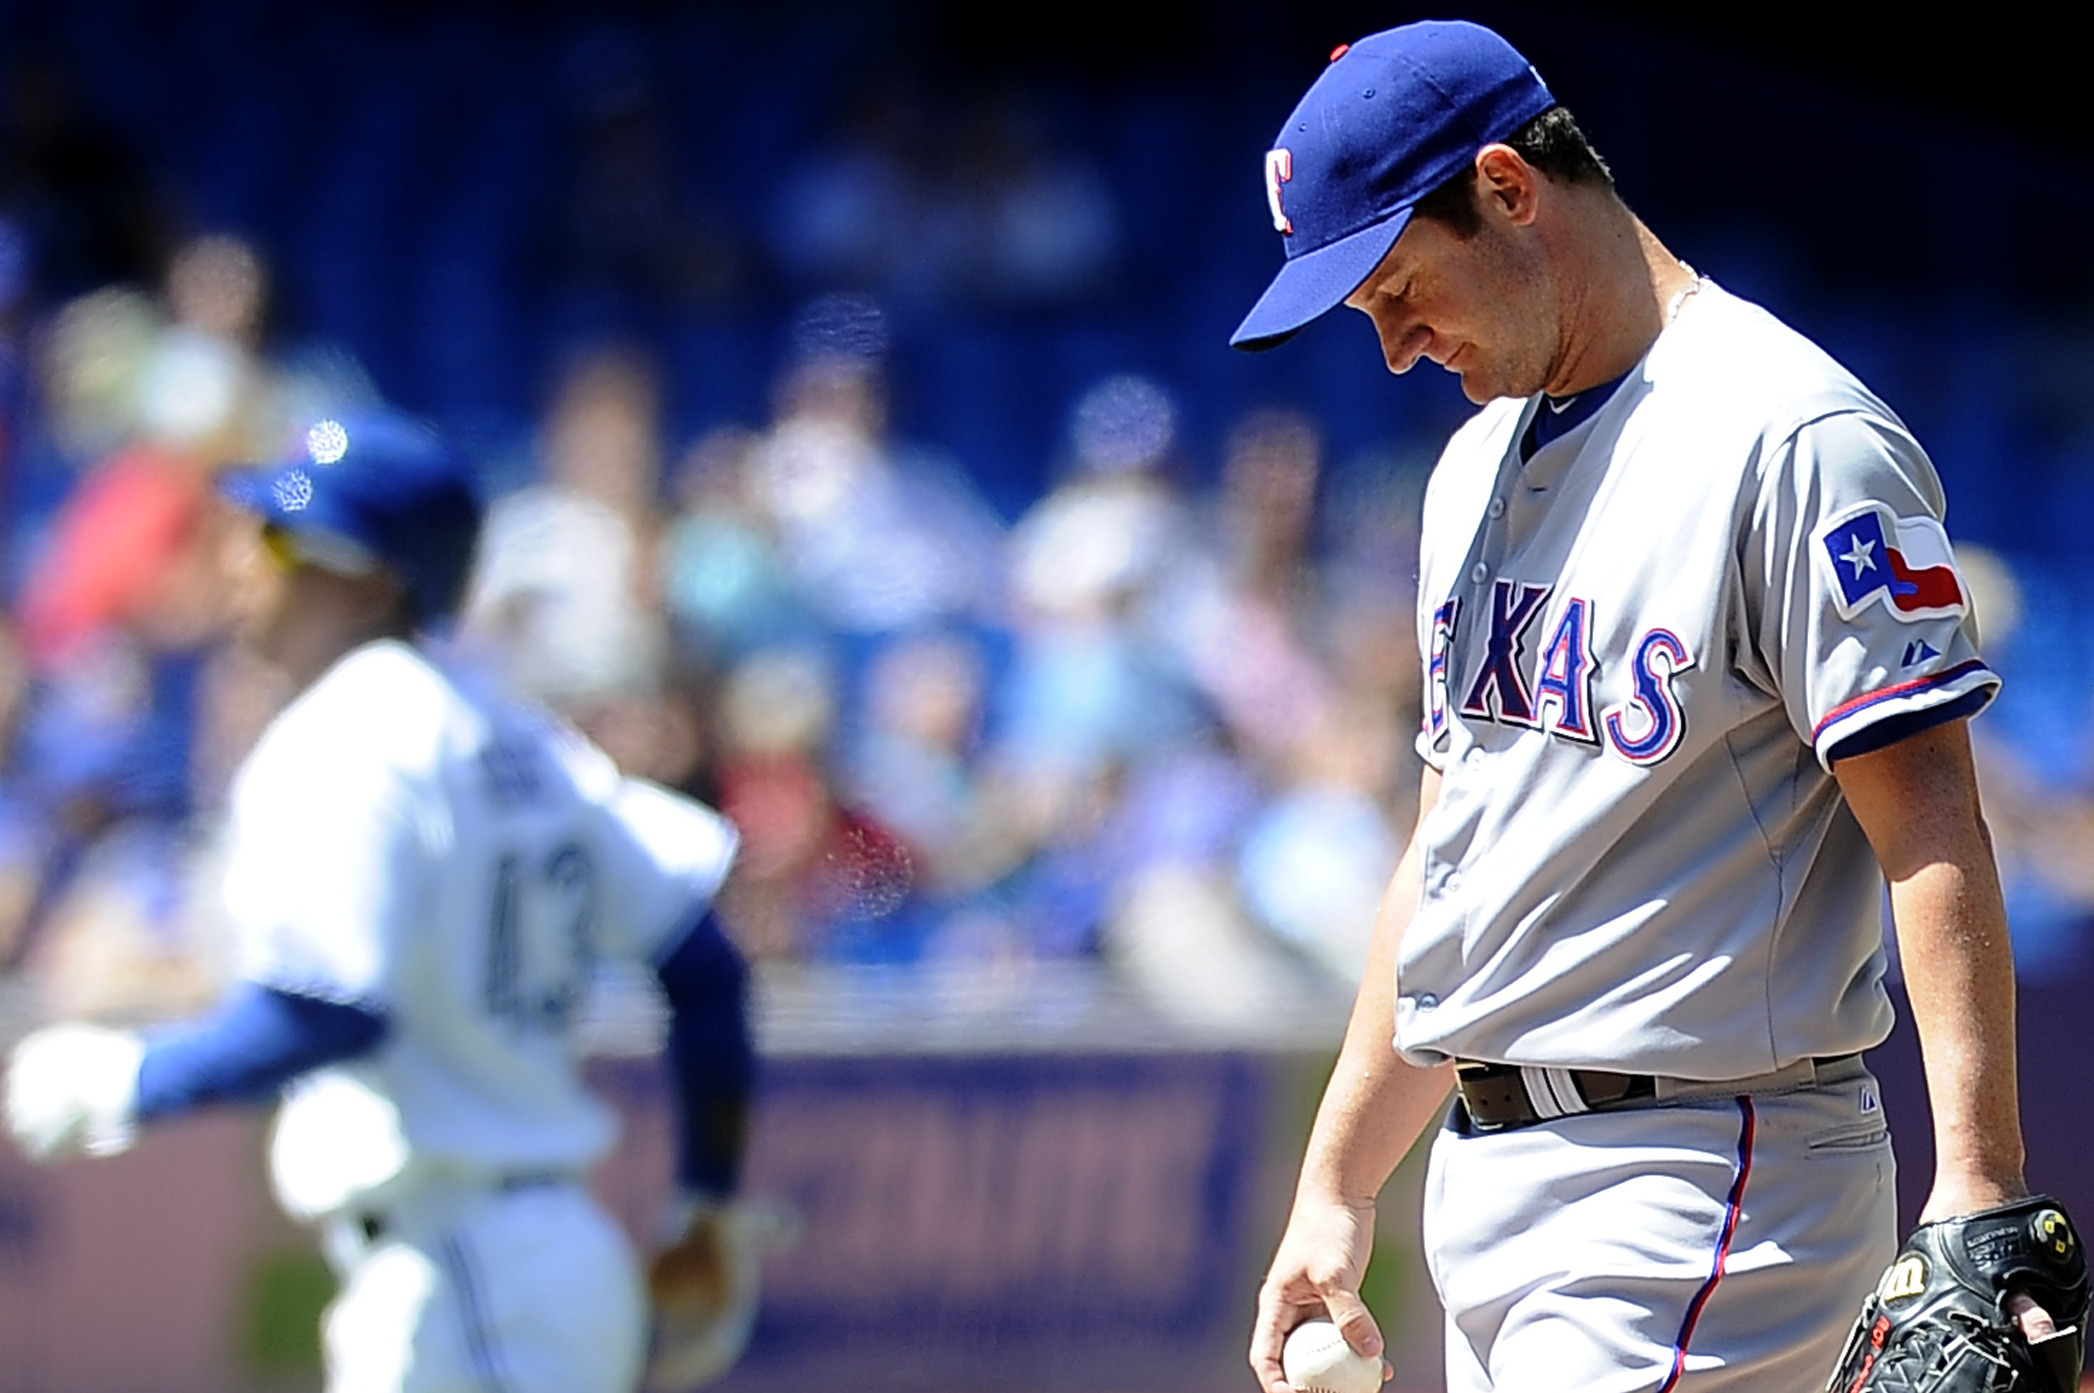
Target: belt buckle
1495,1095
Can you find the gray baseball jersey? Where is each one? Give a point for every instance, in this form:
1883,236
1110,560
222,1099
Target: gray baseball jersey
1643,647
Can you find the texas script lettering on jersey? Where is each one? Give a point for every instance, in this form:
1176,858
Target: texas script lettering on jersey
1643,728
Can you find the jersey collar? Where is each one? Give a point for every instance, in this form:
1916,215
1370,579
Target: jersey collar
1556,417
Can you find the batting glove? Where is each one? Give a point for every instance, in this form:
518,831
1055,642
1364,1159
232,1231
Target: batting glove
74,1088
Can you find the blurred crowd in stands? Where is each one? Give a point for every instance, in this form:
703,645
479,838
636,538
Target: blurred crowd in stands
1149,702
1160,725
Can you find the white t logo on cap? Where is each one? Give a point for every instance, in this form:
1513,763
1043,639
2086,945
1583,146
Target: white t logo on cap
1279,168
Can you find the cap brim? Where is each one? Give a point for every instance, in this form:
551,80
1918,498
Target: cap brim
1315,283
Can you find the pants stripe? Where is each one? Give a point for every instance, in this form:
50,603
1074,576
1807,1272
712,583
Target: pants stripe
1731,1210
479,1337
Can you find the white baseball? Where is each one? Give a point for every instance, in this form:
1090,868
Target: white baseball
1316,1359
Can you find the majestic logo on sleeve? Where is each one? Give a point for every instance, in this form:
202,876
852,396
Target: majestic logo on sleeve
1903,563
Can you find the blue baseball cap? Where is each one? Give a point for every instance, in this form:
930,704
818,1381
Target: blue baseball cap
1392,118
372,488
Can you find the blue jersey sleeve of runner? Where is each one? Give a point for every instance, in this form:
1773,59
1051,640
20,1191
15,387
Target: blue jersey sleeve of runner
256,1043
711,1055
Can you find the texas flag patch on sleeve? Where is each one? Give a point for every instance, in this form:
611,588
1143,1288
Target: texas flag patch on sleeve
1905,563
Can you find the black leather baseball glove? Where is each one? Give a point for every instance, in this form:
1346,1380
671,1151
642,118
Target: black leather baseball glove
1938,1321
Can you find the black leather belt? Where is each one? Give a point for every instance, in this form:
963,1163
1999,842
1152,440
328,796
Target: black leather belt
1498,1096
1495,1097
373,1225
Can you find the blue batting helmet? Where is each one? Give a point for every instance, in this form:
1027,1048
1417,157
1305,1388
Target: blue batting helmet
368,488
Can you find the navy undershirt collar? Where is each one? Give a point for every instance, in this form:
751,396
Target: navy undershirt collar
1557,417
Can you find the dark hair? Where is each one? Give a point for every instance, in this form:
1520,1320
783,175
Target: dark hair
1551,142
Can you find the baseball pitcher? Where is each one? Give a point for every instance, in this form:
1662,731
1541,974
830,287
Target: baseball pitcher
1698,663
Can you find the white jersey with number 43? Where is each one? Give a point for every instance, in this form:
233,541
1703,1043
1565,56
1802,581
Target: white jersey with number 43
404,843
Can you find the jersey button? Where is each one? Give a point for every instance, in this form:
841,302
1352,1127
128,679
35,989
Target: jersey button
1497,507
1480,573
